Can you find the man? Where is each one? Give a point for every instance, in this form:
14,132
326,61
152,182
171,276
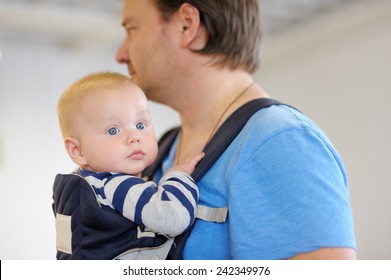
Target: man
282,181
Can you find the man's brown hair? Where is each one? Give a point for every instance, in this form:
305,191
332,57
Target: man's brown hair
233,28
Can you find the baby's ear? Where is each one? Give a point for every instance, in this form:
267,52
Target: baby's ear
73,148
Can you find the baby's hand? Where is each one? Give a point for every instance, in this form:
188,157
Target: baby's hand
189,165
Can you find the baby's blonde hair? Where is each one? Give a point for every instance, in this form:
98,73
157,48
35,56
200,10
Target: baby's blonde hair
70,101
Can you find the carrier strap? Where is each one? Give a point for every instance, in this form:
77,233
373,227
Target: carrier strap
155,253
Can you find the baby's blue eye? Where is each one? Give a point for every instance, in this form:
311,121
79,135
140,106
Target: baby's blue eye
113,131
140,126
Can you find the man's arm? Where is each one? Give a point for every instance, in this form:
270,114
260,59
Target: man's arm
327,254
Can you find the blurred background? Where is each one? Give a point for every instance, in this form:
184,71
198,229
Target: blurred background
331,59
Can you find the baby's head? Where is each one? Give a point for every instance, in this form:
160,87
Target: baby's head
106,124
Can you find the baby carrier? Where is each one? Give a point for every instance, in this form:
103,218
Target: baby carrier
91,231
86,230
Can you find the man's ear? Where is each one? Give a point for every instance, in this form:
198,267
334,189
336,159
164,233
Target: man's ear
73,148
193,32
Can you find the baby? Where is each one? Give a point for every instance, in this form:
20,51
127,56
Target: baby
107,131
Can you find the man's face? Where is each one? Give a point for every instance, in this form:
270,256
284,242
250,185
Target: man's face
148,48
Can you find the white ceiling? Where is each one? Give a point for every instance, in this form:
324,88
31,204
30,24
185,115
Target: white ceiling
79,24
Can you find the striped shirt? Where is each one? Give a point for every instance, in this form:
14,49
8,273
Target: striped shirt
167,208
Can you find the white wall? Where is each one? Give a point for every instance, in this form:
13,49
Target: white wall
336,71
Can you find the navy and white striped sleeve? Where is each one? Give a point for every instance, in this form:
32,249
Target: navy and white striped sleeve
168,208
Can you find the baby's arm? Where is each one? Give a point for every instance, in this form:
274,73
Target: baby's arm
168,208
173,210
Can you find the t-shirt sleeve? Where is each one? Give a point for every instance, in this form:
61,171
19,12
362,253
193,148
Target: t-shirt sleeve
289,196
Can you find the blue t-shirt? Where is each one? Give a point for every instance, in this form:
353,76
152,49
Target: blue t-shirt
285,187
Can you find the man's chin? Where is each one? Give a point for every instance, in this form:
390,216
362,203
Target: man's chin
133,78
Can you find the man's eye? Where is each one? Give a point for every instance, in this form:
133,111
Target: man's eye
140,126
113,131
129,29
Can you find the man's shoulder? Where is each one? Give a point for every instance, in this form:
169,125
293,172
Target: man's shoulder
273,120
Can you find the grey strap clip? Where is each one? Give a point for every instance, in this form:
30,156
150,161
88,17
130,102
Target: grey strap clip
209,214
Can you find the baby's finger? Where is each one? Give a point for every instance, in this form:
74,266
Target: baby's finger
197,158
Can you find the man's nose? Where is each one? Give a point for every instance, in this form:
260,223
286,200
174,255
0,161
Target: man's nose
122,55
